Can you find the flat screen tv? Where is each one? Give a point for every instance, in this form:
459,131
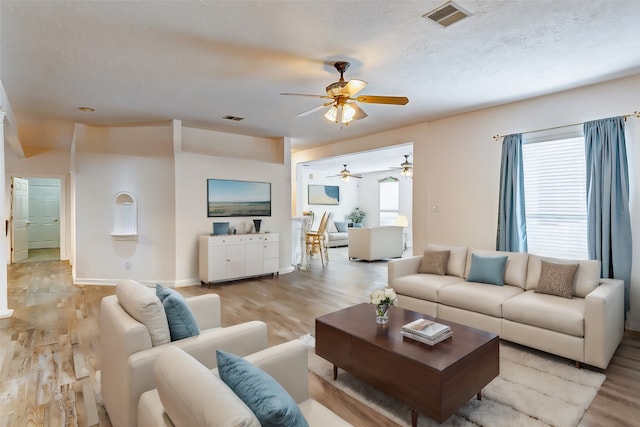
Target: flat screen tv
228,197
324,194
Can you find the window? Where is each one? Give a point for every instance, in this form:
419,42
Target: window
555,197
389,201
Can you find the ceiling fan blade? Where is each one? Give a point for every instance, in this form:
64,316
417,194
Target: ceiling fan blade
306,94
356,176
360,114
314,109
394,100
354,86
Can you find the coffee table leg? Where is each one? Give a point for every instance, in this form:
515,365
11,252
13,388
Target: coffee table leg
414,418
335,372
479,395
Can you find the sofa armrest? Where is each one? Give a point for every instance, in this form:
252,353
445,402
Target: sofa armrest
241,339
403,267
287,363
206,310
604,322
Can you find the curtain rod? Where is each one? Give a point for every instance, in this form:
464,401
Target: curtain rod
635,114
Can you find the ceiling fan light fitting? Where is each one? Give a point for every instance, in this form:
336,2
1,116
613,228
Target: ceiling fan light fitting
332,114
407,171
348,113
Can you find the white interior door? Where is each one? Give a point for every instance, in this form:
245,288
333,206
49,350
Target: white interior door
44,211
20,219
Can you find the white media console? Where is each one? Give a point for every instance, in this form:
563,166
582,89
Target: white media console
230,257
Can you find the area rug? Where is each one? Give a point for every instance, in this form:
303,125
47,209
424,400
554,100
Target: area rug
533,389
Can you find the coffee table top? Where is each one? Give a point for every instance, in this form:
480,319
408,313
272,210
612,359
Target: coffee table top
359,321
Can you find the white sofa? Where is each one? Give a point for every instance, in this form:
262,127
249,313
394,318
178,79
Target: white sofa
586,328
336,238
188,394
375,242
127,353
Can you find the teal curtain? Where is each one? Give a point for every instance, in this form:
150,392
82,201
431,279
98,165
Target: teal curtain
609,222
512,227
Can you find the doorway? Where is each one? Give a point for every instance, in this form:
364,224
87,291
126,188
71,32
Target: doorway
36,217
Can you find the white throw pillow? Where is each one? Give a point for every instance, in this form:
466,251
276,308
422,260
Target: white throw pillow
143,305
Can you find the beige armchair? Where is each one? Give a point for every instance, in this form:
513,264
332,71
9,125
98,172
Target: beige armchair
127,354
376,242
189,394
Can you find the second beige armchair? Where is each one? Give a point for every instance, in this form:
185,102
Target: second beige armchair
376,242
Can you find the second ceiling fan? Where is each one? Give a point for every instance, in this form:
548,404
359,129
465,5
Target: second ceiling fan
343,94
345,174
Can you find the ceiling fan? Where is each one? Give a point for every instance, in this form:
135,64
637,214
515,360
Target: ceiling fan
342,94
345,174
406,166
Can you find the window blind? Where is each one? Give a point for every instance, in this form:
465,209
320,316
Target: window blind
555,198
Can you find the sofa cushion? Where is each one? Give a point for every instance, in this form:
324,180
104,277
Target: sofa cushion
487,269
561,315
182,322
422,286
586,280
477,297
194,396
557,279
434,262
515,271
268,400
143,305
341,226
457,258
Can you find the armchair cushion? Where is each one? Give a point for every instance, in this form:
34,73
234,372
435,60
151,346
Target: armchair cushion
194,396
268,400
144,306
341,226
182,322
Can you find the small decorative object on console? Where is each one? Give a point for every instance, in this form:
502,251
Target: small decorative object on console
383,299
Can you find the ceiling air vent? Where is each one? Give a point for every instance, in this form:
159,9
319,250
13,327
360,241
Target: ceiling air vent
234,118
447,14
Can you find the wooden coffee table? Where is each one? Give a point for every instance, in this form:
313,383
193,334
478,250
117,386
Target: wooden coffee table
433,380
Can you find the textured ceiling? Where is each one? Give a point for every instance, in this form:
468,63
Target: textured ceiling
141,61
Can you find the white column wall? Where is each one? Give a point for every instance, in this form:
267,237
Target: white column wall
4,306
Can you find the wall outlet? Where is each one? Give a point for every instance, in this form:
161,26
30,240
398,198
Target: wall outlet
435,208
127,265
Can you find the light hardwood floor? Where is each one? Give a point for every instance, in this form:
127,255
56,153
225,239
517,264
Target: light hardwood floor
50,358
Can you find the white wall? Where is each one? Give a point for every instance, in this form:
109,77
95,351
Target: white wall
138,160
216,159
457,163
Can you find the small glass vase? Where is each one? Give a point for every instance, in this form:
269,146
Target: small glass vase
382,317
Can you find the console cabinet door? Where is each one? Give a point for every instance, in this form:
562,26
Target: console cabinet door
255,257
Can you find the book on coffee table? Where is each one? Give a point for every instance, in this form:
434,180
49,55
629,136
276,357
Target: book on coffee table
424,340
427,329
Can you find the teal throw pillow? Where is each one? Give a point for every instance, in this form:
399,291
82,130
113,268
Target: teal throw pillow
341,226
182,322
271,403
487,269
